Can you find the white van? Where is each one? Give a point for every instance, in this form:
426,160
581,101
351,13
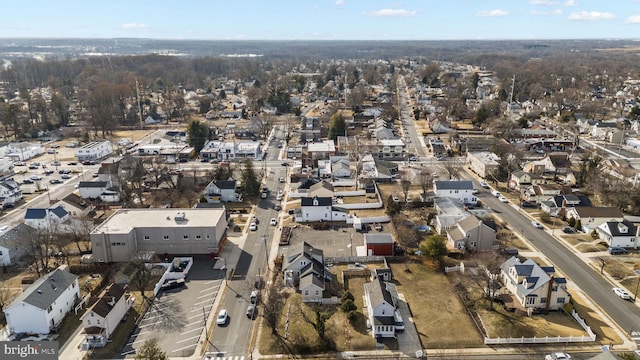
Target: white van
495,193
399,322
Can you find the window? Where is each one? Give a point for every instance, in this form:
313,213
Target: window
49,309
306,293
208,237
531,300
198,237
147,237
560,300
543,300
165,237
185,237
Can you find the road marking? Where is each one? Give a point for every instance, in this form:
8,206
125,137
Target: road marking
195,322
186,332
154,323
203,302
186,347
187,339
137,341
206,308
208,295
195,316
127,352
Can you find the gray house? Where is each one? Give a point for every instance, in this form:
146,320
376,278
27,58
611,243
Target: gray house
473,234
12,243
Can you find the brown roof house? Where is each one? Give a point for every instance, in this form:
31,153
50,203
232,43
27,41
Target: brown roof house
101,319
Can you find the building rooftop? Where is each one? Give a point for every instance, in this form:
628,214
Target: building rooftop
124,220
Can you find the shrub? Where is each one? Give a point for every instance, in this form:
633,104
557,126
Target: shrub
571,222
352,316
578,225
348,306
347,296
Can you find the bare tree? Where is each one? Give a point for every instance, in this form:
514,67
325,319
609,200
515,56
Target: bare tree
405,184
426,180
274,300
142,264
452,167
319,325
39,244
263,124
488,274
5,296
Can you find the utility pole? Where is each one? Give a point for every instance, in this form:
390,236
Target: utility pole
139,105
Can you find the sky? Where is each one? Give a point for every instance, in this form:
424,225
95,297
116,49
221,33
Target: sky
322,19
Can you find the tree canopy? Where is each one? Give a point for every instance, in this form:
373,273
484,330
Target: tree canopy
337,126
197,134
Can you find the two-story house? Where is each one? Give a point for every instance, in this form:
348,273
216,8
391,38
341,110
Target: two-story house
319,209
221,191
534,287
304,269
101,319
473,234
46,218
462,190
591,217
381,307
43,305
10,192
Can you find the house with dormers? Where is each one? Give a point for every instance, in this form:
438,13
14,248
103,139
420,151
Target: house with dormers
473,234
305,270
381,307
101,319
319,209
41,308
533,287
623,233
75,205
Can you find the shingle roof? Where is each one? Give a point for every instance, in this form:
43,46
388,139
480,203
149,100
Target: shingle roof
112,293
46,289
76,200
92,184
378,292
322,201
454,185
598,212
35,213
225,184
382,238
16,236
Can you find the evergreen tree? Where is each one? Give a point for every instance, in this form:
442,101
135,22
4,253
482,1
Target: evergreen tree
197,134
336,126
151,351
250,182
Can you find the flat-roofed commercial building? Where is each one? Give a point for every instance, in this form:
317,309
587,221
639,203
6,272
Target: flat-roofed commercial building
128,232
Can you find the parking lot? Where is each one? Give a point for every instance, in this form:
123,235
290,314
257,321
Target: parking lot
337,242
177,317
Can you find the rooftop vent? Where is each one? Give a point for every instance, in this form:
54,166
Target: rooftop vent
180,216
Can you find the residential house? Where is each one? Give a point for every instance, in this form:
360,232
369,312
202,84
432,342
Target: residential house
340,168
521,179
381,308
12,243
619,233
473,234
103,316
483,163
620,169
461,190
540,192
534,287
42,306
174,231
48,219
24,151
75,205
449,212
321,150
10,192
319,209
92,189
322,189
304,269
601,129
6,167
391,149
221,191
381,244
94,150
591,217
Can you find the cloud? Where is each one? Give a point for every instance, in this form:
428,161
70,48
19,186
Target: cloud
571,3
392,12
542,2
633,19
496,12
340,2
546,13
590,15
133,26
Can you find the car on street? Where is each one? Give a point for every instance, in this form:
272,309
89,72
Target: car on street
273,222
253,226
65,176
281,179
64,171
55,146
55,181
568,230
484,184
20,163
277,207
557,356
223,317
413,158
52,151
48,172
55,163
33,167
27,181
71,145
536,225
503,199
622,293
285,164
251,311
35,178
616,250
73,163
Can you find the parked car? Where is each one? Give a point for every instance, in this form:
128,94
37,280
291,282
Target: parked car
510,251
55,146
277,207
285,164
413,158
503,199
71,145
173,284
557,356
65,176
223,317
253,226
496,193
55,163
274,222
251,311
35,178
52,151
27,181
536,225
55,181
255,296
616,250
395,198
281,179
622,293
568,230
484,184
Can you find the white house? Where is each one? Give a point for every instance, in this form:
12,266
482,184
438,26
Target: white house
75,205
533,286
591,217
109,196
102,318
10,192
319,209
304,268
381,308
461,190
94,150
221,191
92,189
12,241
340,168
6,167
619,233
46,219
43,305
24,151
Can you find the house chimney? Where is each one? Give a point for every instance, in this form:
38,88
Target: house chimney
549,291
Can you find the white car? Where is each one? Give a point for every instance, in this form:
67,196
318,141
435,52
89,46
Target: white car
503,199
623,294
395,198
484,184
536,225
253,226
223,317
557,356
273,222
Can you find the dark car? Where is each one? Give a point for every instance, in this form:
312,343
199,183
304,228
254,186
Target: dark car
173,284
510,251
615,250
568,230
285,164
277,207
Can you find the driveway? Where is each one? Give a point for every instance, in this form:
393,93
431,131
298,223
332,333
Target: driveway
408,340
338,242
